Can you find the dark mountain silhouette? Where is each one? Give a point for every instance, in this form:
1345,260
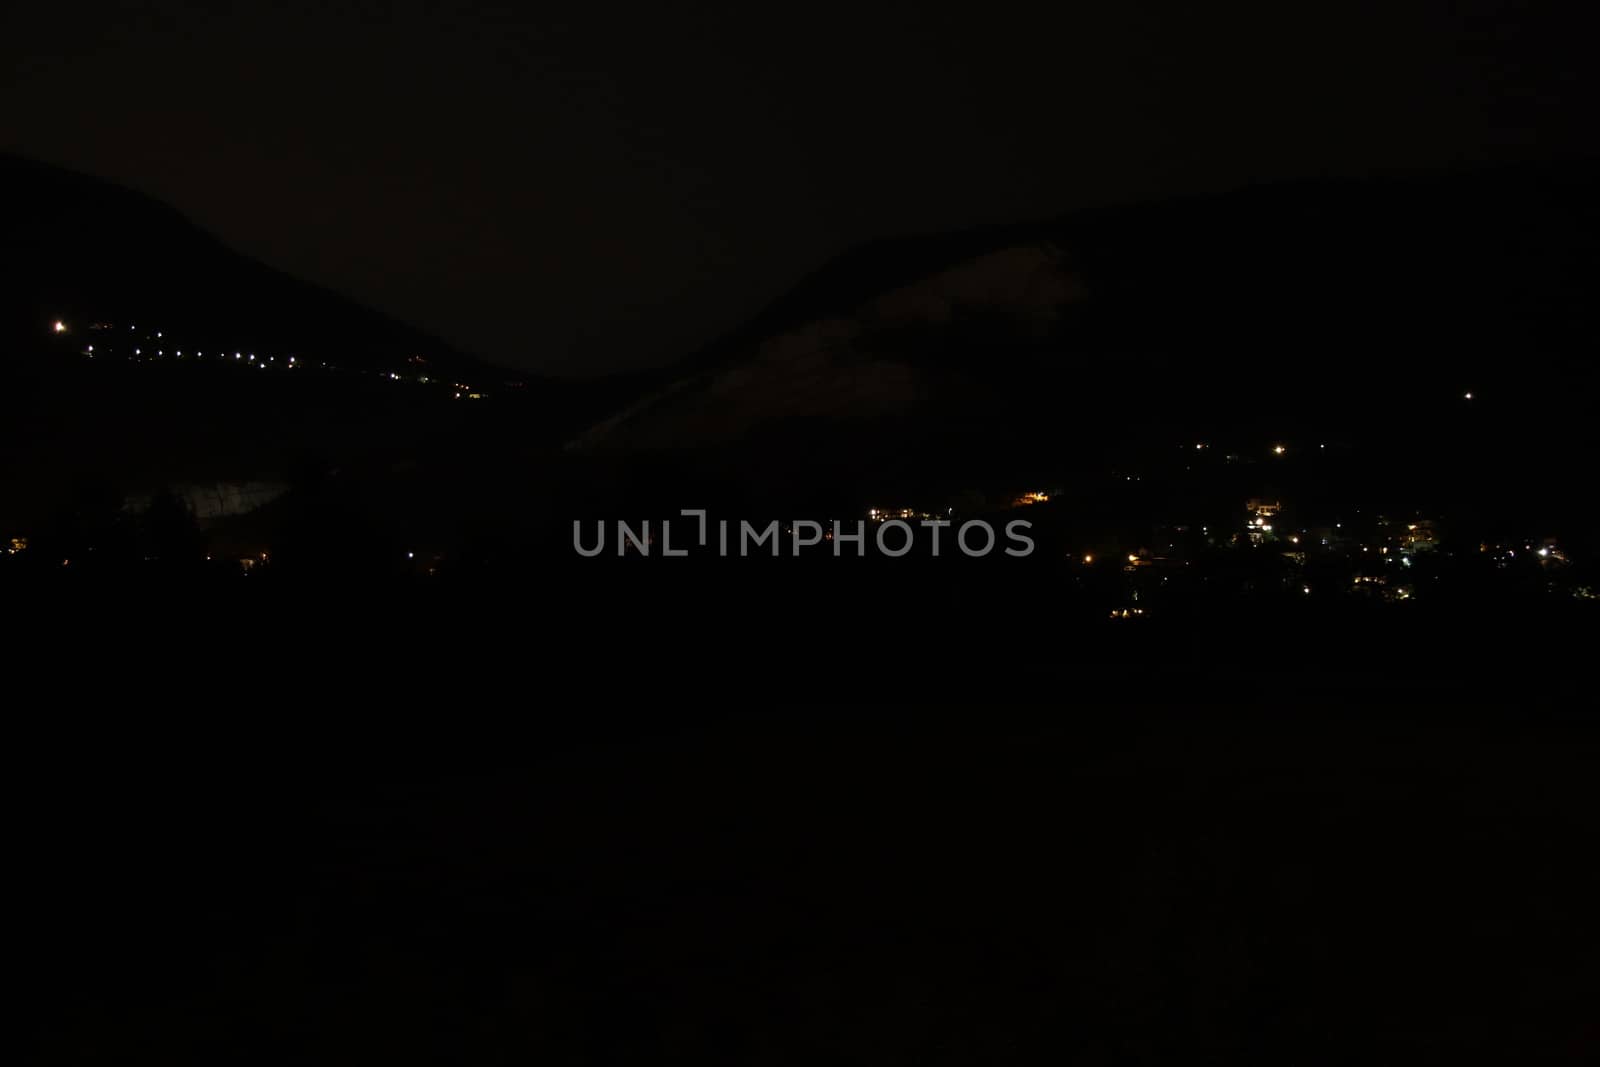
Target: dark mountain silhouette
115,266
1339,306
80,248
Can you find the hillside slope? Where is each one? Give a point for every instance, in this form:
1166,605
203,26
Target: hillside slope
1335,303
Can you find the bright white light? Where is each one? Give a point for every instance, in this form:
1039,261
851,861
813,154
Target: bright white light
1469,396
61,327
1278,450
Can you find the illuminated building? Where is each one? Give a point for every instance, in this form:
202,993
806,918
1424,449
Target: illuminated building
1420,536
1261,511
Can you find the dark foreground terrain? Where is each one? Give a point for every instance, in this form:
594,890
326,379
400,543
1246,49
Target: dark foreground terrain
1288,881
372,833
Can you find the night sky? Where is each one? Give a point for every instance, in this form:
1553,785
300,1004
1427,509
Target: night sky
590,188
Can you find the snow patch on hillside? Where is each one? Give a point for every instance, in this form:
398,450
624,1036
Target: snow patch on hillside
839,367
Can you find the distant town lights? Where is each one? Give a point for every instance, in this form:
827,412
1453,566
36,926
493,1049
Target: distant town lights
1278,450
